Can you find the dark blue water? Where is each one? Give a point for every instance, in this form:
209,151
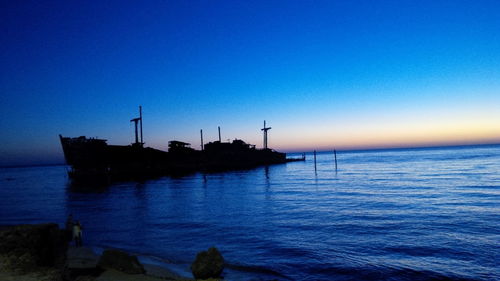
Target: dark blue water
415,214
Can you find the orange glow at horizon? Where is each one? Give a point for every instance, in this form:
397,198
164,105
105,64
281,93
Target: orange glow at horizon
397,134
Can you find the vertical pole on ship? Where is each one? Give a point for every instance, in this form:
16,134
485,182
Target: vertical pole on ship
201,134
335,155
140,118
315,161
135,120
265,129
219,132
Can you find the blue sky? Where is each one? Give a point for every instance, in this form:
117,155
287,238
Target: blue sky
324,74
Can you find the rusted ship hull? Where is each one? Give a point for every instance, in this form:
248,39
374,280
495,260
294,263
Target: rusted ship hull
94,160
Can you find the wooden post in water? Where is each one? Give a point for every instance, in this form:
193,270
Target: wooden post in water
335,154
315,161
201,135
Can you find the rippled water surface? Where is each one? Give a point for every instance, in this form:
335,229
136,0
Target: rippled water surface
413,214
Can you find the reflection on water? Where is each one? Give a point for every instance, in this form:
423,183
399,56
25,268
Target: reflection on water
404,214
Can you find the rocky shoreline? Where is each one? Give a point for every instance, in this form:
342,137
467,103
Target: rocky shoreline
42,252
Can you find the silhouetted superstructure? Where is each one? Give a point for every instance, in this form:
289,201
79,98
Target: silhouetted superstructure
94,159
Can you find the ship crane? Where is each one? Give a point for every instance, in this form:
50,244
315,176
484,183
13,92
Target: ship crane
138,121
265,129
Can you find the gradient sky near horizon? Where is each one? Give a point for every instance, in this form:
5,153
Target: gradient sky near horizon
323,74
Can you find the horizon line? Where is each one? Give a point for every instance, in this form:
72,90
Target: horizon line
379,148
302,151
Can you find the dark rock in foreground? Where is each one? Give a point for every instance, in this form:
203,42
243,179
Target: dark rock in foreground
40,253
121,261
208,264
27,248
81,261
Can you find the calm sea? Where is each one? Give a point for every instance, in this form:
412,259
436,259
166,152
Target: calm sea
407,214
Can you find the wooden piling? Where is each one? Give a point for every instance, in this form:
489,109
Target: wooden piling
315,161
335,154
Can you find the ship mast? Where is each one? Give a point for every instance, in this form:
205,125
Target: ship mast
138,121
265,129
201,135
140,116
